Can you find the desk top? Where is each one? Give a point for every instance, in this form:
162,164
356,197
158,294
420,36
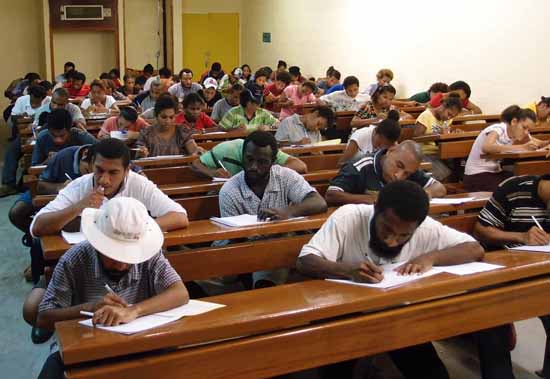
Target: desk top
479,201
283,307
476,117
433,137
518,155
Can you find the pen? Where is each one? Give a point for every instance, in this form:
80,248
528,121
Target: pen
68,177
109,289
536,222
84,313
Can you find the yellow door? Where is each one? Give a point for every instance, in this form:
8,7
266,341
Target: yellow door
209,38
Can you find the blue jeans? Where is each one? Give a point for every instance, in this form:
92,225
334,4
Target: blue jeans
11,161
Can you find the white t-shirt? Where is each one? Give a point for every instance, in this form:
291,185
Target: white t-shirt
475,164
340,101
109,102
135,186
23,105
363,139
344,237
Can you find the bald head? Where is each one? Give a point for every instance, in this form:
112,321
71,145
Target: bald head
412,148
401,161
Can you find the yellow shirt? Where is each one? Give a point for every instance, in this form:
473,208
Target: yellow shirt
433,125
532,106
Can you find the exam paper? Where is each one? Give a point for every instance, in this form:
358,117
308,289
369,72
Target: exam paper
538,249
244,220
468,268
73,238
451,201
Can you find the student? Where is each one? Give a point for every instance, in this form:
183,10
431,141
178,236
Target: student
281,67
77,87
193,116
248,115
247,72
360,181
295,75
348,99
48,86
268,190
215,72
426,96
257,86
210,93
383,78
114,75
25,106
370,139
185,86
127,122
357,239
57,135
111,90
228,80
295,96
376,109
230,100
541,109
273,91
331,83
68,66
60,100
305,129
147,72
506,221
99,101
438,119
147,100
129,88
145,282
165,77
512,134
464,92
165,137
226,159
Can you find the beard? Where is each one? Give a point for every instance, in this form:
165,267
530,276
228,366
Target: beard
379,247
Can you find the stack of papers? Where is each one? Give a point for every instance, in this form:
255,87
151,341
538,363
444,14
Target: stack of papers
193,308
73,238
451,200
244,220
538,249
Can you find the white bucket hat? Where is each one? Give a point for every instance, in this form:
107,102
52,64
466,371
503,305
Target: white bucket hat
122,230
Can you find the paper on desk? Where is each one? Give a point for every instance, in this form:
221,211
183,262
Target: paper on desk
451,201
468,268
328,142
220,180
538,249
73,238
193,308
244,220
159,157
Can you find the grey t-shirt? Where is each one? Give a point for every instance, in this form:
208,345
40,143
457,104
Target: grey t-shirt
293,130
221,107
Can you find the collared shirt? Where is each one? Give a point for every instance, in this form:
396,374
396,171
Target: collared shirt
475,164
79,278
512,205
285,186
365,176
236,117
345,237
65,162
341,101
158,146
180,91
221,107
230,155
134,185
293,130
74,111
147,103
23,106
45,145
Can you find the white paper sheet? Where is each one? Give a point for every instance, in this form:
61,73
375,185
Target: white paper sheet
451,201
244,220
220,180
328,142
73,238
538,249
160,157
468,268
193,308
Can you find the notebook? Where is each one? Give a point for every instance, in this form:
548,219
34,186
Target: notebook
193,308
244,220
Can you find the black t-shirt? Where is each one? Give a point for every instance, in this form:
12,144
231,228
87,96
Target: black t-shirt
364,175
212,101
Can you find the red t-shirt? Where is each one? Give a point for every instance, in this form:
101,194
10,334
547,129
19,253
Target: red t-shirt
272,88
82,92
437,99
202,123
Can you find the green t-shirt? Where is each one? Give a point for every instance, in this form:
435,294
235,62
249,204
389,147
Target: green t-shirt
236,117
230,154
421,97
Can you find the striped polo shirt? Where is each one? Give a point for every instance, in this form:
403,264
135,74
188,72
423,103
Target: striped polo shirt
79,278
512,205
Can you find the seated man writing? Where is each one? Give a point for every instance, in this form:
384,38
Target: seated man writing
226,160
60,100
305,129
359,182
357,239
123,253
268,190
516,215
248,115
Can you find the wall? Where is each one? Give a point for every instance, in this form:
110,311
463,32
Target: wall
498,46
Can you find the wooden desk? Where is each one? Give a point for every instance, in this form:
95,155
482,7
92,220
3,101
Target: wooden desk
525,162
517,155
490,118
286,323
229,135
433,137
479,201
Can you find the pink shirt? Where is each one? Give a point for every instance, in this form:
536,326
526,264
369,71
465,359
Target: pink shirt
110,125
292,92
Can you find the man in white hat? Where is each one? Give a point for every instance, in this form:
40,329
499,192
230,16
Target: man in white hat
119,273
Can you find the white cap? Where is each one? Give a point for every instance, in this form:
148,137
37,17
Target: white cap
238,72
210,83
122,230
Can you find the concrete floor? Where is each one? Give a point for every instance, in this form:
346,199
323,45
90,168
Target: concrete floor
21,359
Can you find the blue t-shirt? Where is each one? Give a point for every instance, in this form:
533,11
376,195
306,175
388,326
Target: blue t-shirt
67,161
44,144
336,87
